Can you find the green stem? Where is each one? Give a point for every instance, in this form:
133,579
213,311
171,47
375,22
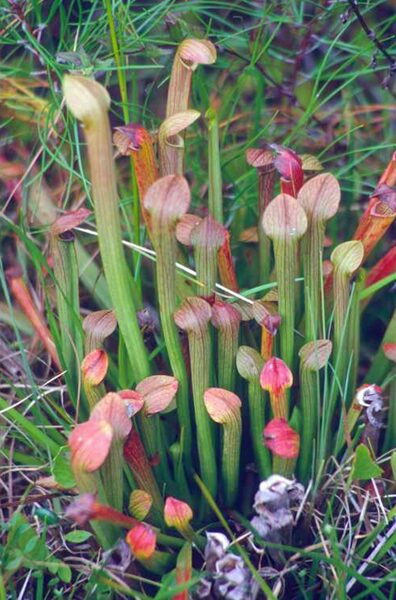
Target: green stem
266,177
215,182
286,267
122,84
283,466
312,245
206,240
179,472
166,287
341,360
309,405
68,305
353,342
227,320
227,348
231,450
200,352
313,356
91,277
112,475
257,422
94,393
89,102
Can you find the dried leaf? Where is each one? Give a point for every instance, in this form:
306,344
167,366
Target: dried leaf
69,220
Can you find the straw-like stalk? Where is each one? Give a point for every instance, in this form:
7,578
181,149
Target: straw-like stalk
189,55
89,102
23,297
166,201
206,239
193,317
262,160
313,357
226,318
224,407
320,198
171,142
249,365
285,222
284,443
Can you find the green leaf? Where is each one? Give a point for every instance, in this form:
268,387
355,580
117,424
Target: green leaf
14,561
61,469
64,573
364,466
30,545
47,516
77,536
